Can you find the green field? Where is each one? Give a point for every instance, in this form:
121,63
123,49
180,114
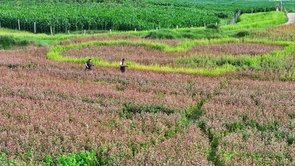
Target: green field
54,17
213,94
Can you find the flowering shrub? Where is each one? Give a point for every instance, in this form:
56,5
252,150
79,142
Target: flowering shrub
54,111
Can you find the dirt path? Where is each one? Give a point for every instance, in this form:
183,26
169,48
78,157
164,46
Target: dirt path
291,18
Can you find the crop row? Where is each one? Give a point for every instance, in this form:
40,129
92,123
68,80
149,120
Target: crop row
99,16
64,17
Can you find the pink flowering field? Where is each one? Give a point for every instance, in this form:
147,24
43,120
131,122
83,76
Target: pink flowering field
50,109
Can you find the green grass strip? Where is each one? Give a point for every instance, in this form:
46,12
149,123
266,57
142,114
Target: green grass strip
259,20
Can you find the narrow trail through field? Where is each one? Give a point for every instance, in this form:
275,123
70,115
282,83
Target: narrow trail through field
291,18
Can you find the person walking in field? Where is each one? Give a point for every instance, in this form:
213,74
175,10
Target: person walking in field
123,66
88,65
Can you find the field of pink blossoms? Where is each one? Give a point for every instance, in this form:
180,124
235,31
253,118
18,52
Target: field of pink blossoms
50,108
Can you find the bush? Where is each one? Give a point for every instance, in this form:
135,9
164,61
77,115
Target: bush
291,140
196,111
82,158
212,26
242,34
163,34
6,42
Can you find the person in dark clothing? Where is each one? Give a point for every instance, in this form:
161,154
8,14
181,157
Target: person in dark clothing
88,65
122,66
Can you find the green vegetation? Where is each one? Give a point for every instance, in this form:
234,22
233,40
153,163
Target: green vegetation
246,22
38,17
112,100
9,42
99,16
6,42
82,158
39,40
258,21
188,33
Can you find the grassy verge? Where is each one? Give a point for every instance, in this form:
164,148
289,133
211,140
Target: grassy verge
37,39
